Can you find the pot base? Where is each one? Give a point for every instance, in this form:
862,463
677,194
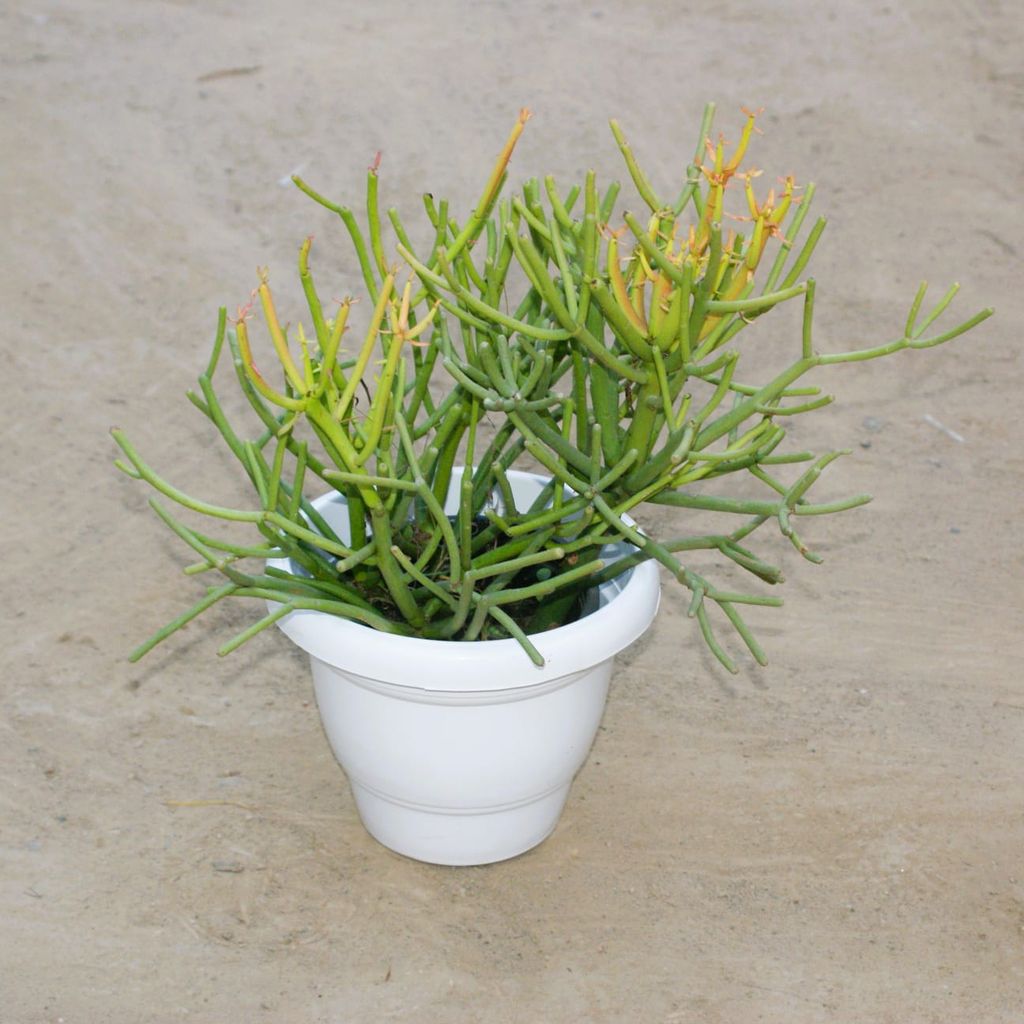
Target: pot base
459,837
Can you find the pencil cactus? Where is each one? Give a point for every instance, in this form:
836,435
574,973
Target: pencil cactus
616,372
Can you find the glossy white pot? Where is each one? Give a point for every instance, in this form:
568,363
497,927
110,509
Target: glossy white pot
463,753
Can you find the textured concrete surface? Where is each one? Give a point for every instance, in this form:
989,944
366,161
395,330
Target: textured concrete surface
834,838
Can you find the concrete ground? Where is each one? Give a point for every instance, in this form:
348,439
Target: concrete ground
834,838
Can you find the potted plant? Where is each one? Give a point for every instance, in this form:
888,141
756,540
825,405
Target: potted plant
443,484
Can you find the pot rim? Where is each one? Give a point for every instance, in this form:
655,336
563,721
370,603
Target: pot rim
627,606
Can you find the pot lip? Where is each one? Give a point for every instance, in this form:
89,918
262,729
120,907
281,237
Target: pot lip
628,605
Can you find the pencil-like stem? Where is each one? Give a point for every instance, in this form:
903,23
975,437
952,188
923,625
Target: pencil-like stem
531,333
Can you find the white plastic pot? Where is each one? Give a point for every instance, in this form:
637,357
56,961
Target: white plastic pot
463,752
